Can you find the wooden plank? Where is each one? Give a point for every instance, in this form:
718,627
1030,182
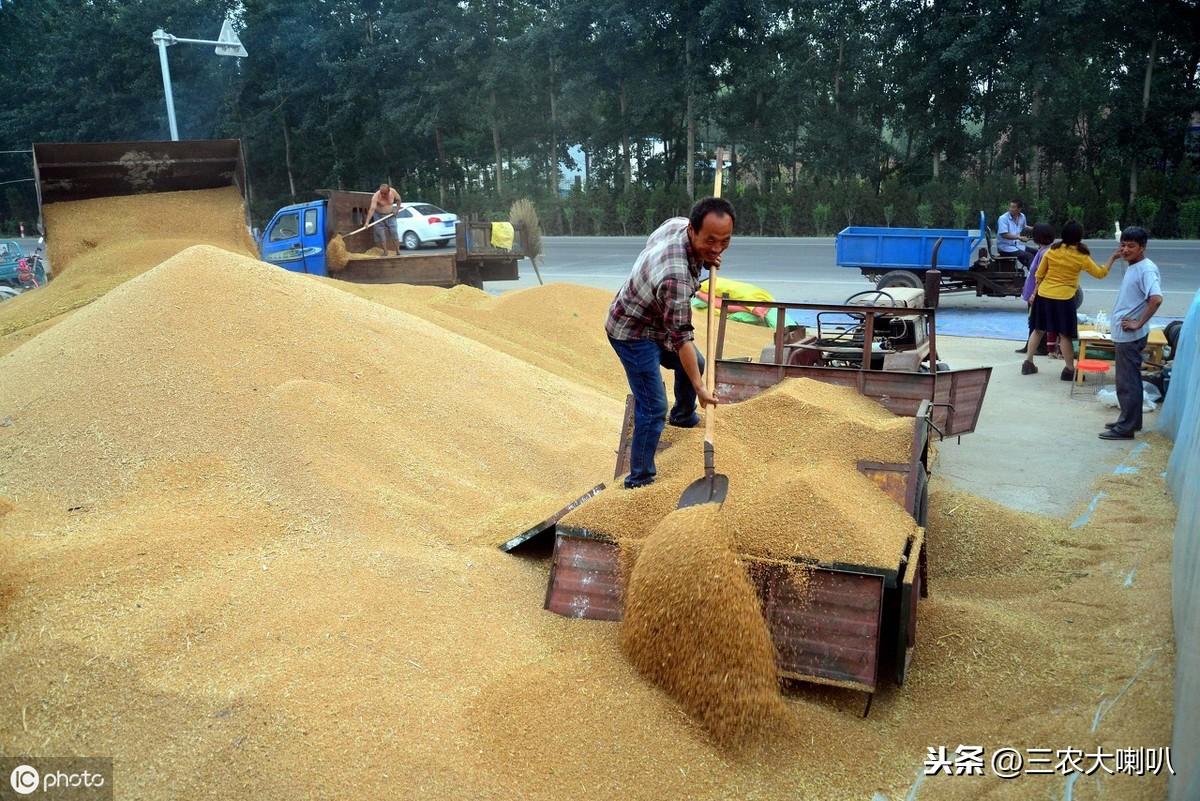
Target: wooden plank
427,269
910,593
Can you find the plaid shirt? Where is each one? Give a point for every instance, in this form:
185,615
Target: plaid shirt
655,301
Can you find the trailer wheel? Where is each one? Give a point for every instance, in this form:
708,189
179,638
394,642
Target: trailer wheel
901,278
1078,298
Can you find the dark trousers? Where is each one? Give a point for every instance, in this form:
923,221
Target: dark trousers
1129,385
642,359
382,232
1024,255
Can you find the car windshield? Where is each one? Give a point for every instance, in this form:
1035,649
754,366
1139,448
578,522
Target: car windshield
426,209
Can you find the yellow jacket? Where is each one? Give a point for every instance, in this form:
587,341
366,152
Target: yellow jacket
1058,274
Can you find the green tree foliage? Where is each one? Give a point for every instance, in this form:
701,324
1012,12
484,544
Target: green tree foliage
830,111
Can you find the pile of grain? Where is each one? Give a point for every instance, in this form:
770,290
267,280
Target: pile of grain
791,455
236,536
1004,542
558,327
336,255
693,625
167,367
95,245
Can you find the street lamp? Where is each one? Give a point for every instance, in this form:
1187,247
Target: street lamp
227,44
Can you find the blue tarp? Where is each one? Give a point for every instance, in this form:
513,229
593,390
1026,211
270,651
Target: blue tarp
1180,420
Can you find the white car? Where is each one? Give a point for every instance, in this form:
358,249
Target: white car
418,223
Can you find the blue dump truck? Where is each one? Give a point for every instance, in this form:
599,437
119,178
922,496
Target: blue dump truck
900,257
297,236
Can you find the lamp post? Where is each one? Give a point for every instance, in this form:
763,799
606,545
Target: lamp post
227,44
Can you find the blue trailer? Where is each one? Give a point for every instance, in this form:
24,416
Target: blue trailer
901,257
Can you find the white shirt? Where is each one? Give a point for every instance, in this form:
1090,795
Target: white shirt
1007,225
1139,283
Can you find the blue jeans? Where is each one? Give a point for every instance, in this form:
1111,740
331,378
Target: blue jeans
641,359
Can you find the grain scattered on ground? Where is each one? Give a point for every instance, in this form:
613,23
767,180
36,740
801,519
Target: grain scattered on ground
243,535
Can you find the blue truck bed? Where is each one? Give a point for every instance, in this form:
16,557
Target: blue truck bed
905,248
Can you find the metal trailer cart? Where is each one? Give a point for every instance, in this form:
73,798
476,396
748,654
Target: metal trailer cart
855,625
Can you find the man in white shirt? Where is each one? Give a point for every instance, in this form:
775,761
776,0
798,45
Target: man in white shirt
1137,301
1010,233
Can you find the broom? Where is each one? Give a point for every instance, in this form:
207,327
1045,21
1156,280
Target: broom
523,215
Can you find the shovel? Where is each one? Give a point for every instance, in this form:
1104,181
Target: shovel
371,224
714,486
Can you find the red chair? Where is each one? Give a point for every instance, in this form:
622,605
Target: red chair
1094,366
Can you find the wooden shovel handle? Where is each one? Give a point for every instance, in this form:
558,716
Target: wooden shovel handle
370,224
710,371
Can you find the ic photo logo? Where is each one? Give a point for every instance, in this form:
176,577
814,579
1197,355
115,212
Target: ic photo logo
24,779
61,778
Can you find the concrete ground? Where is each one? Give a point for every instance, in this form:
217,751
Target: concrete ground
1034,448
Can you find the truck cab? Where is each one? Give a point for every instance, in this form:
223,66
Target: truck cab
296,236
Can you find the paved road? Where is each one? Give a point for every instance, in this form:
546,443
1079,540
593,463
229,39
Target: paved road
803,270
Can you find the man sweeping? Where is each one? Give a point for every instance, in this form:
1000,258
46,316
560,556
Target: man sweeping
650,326
384,202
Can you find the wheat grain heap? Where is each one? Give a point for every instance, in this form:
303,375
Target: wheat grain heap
693,626
795,490
94,245
247,548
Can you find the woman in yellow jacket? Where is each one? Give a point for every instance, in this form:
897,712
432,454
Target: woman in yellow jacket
1054,305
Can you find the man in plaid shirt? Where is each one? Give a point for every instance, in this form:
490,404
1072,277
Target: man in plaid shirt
650,326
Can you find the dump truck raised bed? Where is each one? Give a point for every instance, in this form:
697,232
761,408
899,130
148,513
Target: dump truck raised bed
78,171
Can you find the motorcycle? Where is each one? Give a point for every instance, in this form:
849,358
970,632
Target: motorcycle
24,274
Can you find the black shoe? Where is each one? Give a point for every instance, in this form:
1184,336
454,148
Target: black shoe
638,485
687,422
1041,350
1112,433
1067,374
1111,426
1028,367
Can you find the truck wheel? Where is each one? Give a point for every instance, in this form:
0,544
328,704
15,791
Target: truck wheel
1078,298
901,278
411,240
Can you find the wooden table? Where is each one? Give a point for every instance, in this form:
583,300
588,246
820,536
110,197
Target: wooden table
1091,339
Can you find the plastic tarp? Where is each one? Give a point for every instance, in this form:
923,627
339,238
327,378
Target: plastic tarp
741,299
1180,420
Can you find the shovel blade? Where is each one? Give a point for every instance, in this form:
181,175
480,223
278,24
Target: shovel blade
710,489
